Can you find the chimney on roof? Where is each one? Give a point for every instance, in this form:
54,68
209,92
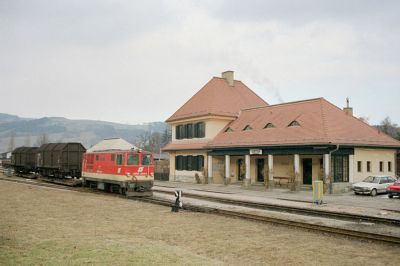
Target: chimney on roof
348,110
228,76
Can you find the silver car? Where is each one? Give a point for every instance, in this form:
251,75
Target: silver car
373,185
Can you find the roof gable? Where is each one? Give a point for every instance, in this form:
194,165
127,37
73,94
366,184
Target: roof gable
217,97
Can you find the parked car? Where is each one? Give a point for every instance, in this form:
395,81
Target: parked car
373,185
394,190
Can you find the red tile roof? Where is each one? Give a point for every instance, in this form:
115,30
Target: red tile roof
320,123
218,98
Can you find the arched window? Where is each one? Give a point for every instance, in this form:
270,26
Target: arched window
294,123
269,125
246,128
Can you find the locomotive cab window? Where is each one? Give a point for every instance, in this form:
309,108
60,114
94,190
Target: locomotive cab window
120,159
133,159
146,159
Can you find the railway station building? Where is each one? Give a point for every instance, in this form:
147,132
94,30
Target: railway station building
227,134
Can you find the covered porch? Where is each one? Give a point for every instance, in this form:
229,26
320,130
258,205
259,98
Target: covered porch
294,168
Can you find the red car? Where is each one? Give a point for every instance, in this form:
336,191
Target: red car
394,190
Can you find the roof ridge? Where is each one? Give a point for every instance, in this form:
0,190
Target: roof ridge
253,92
287,103
190,99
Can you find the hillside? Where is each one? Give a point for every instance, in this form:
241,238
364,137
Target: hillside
28,131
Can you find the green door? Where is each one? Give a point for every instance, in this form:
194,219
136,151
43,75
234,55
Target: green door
241,169
260,170
307,171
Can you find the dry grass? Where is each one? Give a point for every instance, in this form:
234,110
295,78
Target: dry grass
41,226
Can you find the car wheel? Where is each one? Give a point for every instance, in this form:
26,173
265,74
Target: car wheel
390,195
356,193
373,192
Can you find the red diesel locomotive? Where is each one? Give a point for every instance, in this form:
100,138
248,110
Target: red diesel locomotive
118,169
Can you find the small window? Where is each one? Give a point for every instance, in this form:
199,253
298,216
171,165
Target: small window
177,135
359,166
97,157
120,159
179,162
133,159
269,125
294,124
228,129
112,157
189,131
146,159
368,166
246,128
200,162
201,130
389,166
380,166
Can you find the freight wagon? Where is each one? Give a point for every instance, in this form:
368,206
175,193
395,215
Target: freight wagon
60,159
23,160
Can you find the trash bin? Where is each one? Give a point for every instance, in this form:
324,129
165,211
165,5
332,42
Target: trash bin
318,191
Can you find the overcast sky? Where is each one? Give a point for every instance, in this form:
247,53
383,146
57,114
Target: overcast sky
139,61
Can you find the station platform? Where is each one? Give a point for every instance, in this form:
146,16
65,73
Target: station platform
379,206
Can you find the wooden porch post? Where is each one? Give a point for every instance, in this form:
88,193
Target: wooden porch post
327,171
247,180
209,168
296,183
227,169
270,172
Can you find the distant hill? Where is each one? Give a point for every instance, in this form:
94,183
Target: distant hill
28,131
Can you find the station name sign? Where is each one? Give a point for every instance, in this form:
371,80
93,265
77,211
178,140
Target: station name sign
255,152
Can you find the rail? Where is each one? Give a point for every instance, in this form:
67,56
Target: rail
232,213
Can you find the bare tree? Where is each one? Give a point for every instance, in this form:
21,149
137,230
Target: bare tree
149,141
389,128
27,141
42,139
166,136
11,143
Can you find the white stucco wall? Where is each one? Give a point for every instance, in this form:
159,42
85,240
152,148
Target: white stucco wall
183,175
213,125
374,156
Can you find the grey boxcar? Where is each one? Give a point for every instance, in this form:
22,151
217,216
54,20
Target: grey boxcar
23,159
60,159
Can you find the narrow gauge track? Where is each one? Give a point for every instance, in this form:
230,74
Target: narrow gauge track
295,210
321,228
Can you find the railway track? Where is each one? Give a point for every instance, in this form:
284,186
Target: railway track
232,213
292,209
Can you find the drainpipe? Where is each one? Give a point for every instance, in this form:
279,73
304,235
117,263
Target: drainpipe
330,177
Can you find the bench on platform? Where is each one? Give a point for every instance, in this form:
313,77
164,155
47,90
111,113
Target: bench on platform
283,180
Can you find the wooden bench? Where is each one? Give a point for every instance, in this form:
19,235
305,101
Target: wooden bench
283,180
